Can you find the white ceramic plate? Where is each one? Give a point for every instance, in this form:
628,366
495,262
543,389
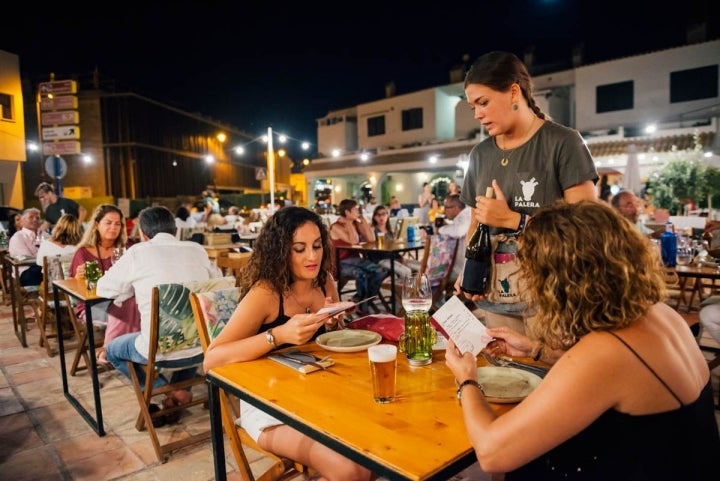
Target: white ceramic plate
348,340
506,384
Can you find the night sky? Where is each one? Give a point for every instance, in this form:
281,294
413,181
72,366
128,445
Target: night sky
270,65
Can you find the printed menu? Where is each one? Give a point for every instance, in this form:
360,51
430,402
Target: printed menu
455,321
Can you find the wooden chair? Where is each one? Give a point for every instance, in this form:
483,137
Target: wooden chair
232,264
172,331
53,269
437,263
212,310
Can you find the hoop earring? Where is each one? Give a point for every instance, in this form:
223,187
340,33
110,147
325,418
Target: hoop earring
515,106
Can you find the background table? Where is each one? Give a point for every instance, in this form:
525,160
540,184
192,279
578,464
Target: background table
76,289
420,436
685,274
389,250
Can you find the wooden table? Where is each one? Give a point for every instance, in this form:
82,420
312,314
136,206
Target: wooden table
420,436
13,265
685,274
389,249
215,250
76,289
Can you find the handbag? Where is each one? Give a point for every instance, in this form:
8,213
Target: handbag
507,283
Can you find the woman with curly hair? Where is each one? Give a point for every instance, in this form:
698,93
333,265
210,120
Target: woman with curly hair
629,393
285,282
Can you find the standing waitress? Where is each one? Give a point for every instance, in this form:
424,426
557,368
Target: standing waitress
529,160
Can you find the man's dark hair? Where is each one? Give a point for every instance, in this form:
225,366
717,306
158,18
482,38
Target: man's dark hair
44,187
454,199
154,220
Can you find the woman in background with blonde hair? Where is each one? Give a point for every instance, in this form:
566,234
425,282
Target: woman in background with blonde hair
65,235
105,233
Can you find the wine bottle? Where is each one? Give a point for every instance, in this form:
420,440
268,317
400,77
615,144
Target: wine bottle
478,259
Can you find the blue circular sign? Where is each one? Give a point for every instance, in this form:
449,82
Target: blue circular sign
55,167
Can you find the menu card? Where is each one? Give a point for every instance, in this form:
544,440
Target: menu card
455,321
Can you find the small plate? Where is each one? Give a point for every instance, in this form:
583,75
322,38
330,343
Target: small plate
506,384
348,340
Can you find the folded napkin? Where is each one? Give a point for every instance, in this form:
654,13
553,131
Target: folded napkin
388,326
300,365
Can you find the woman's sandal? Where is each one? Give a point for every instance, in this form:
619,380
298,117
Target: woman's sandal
159,421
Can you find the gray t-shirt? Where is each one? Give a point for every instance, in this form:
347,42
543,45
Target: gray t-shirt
537,173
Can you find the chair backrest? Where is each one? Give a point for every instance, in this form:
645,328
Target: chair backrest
212,310
173,325
54,268
232,263
440,257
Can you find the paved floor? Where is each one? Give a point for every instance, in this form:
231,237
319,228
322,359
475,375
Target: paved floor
43,438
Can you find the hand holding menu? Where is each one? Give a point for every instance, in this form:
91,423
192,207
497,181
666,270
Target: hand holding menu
457,322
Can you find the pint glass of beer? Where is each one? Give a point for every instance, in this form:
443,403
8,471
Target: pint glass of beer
383,368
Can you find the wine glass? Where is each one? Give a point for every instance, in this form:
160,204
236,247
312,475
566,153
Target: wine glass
117,254
416,293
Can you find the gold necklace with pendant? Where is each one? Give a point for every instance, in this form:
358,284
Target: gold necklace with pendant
506,158
307,309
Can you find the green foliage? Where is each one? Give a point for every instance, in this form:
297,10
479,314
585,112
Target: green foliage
682,178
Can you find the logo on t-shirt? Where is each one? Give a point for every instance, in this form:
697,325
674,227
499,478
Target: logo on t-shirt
528,190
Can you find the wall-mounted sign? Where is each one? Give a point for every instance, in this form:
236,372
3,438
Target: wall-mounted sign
61,147
60,117
58,133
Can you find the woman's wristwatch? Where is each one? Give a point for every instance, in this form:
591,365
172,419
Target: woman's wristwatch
270,338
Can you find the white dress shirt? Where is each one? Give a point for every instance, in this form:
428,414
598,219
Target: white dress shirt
161,260
22,243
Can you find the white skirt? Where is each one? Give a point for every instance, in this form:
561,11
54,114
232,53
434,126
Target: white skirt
253,420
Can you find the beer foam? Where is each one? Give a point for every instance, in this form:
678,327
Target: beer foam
382,353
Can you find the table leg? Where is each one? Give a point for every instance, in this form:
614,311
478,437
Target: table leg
392,284
216,430
97,422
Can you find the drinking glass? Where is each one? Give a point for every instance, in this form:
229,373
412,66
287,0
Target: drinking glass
684,253
117,254
419,336
383,369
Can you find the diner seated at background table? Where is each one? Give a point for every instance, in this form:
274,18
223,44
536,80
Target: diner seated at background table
22,243
105,232
160,258
62,242
631,397
627,203
285,282
381,226
351,228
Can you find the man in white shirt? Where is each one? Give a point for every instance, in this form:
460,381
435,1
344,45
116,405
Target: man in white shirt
22,243
459,214
159,259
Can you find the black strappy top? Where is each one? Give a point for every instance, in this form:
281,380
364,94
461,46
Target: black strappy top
680,444
282,319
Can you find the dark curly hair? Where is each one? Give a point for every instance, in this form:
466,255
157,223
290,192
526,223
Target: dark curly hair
270,259
587,269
